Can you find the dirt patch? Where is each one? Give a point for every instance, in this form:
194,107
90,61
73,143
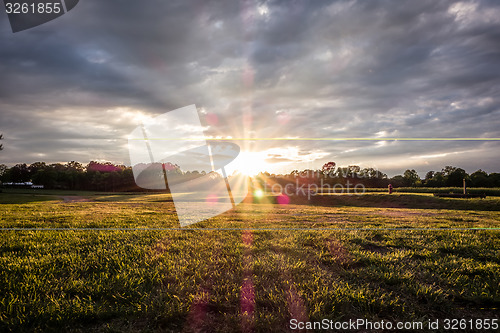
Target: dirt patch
74,198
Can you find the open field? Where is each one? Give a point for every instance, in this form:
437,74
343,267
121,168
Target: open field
405,257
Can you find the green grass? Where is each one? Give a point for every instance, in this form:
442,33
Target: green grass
150,280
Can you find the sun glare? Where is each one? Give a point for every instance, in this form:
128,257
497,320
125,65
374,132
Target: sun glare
258,193
250,163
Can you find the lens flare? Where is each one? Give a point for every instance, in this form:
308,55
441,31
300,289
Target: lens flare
258,193
283,199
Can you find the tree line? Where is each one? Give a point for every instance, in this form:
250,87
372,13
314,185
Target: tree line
330,175
99,176
96,176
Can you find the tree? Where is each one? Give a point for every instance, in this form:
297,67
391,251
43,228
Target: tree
411,178
372,173
1,137
354,170
447,170
454,176
494,179
438,180
74,174
75,166
479,179
342,172
351,171
372,177
398,181
328,168
35,167
429,179
46,176
20,173
3,171
429,175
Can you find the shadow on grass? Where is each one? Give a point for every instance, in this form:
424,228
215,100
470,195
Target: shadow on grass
25,196
410,201
15,199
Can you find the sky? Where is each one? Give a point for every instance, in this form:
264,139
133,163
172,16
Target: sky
262,71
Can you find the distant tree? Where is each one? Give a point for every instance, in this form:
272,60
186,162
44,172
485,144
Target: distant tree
494,179
1,137
479,179
438,179
171,167
373,178
3,172
74,174
411,178
429,179
350,172
372,173
454,176
328,168
306,174
127,182
45,175
354,171
447,170
398,181
101,167
429,175
76,166
19,173
35,167
342,172
38,173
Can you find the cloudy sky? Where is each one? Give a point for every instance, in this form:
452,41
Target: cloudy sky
74,88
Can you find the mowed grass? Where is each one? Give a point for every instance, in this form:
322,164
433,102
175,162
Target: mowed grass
402,257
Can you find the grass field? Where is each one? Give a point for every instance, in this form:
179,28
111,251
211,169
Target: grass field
490,191
405,257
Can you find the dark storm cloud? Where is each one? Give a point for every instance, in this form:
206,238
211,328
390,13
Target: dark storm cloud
76,86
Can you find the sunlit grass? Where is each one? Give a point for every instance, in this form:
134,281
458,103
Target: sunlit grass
147,280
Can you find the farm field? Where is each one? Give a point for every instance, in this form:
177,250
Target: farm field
120,263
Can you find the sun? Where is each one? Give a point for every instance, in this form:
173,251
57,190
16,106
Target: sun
249,163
